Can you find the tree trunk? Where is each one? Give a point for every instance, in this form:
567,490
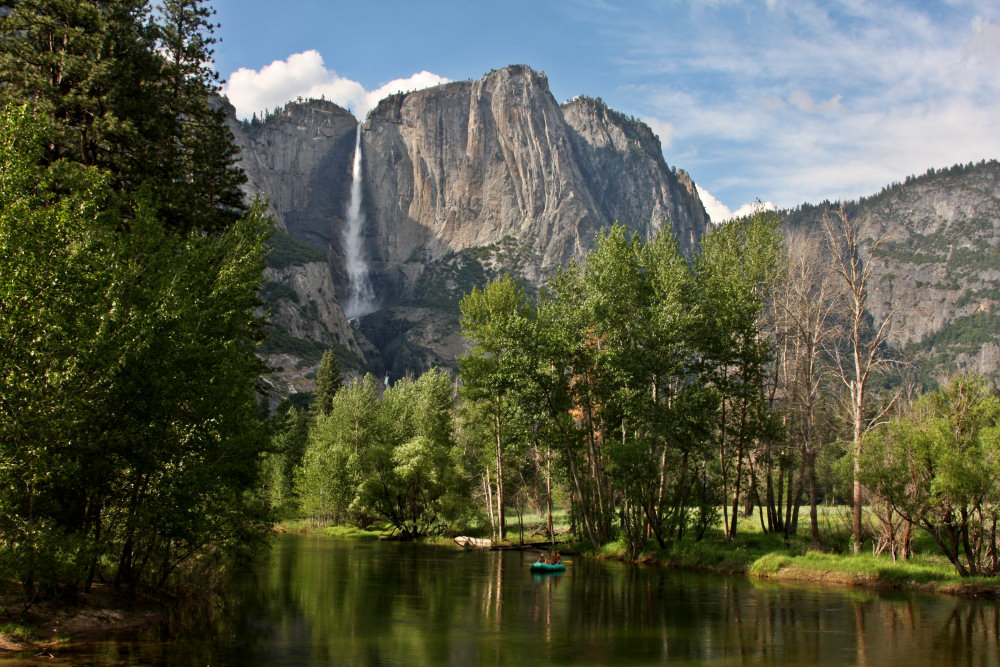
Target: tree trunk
548,496
488,486
501,515
813,511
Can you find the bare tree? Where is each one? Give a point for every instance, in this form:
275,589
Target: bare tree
804,307
866,339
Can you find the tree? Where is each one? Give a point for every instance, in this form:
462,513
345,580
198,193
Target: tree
332,465
129,374
738,267
805,304
498,320
328,383
201,185
938,467
288,445
130,96
866,340
411,475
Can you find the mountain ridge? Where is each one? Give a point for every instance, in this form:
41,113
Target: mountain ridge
470,179
461,182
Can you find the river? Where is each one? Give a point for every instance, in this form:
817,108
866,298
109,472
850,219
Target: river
322,601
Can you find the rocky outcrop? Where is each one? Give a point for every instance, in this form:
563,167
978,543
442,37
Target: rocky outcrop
938,265
460,183
607,145
468,180
470,164
300,159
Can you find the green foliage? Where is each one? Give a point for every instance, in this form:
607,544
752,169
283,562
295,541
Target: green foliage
328,382
967,332
129,91
739,265
769,564
286,250
327,480
937,467
620,367
288,444
392,457
128,425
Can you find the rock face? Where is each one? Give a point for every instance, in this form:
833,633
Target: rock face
468,180
472,164
299,160
938,265
460,183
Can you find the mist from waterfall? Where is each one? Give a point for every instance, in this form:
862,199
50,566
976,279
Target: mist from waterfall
360,295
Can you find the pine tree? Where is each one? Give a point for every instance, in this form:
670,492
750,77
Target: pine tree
131,96
203,188
328,383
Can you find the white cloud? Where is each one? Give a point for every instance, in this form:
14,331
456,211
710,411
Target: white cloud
753,207
305,75
820,100
719,212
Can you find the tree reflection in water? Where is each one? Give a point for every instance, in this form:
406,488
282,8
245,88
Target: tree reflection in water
323,601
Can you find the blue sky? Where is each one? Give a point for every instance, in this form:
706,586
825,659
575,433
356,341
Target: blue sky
785,101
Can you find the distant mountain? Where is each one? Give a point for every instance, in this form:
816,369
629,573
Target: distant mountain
460,183
468,180
939,266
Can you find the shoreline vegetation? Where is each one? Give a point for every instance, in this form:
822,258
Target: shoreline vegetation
751,554
105,613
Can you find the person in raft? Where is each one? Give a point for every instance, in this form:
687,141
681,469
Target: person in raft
541,558
556,558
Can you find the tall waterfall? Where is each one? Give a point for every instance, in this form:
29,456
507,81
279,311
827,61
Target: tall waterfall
360,295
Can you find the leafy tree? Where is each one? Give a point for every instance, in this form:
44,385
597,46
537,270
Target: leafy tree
331,470
288,445
129,416
122,92
738,266
393,457
498,320
411,476
938,467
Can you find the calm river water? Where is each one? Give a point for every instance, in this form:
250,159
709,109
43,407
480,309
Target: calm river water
320,601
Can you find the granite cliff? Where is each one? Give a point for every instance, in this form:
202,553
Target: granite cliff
465,181
460,183
938,266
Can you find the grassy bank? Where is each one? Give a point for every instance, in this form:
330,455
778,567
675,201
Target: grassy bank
753,553
769,556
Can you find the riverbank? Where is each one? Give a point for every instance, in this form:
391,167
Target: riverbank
764,557
752,554
51,624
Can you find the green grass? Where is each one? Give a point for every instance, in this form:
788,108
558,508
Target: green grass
770,563
18,632
352,532
921,570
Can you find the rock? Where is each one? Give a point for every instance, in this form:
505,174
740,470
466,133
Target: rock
938,265
460,183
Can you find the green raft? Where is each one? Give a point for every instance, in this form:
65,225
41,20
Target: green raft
543,568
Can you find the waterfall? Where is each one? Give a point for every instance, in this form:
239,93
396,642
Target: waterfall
360,295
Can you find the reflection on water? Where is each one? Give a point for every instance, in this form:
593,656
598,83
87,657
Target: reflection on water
323,601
